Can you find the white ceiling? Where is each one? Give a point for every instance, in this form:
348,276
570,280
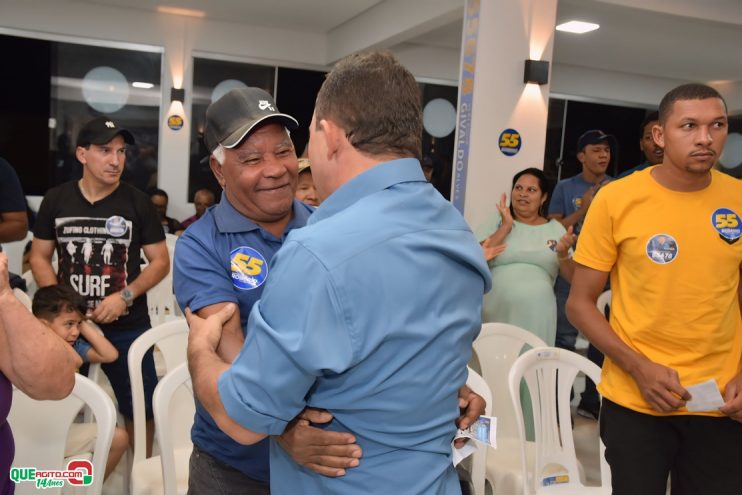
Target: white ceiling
304,15
699,40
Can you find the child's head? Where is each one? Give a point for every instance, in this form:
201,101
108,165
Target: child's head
61,309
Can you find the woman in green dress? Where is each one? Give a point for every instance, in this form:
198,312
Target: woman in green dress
525,252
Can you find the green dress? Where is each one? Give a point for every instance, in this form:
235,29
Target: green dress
523,277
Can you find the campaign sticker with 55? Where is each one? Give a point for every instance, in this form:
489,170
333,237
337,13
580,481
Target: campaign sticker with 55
249,268
726,223
79,472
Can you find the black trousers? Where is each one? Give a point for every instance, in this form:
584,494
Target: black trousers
701,454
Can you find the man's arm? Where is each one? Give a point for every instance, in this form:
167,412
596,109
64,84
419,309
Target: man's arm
13,226
32,357
232,338
206,367
733,390
113,306
660,386
576,216
41,261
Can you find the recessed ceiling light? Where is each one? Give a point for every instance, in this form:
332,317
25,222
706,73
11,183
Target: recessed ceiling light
143,85
577,27
164,9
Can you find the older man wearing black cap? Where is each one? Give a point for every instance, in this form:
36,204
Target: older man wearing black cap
116,219
228,251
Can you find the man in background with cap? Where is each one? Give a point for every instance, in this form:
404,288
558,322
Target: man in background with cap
101,212
569,204
369,311
223,258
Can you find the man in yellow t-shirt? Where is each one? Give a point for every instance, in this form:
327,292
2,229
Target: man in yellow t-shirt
669,236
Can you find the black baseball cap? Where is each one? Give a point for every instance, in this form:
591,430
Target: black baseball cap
231,118
595,136
100,131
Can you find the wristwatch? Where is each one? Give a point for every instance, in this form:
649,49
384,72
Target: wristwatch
128,296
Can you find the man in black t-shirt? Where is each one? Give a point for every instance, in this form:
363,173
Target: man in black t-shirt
13,217
98,226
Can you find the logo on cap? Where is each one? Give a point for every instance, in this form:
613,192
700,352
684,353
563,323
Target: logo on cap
265,104
110,124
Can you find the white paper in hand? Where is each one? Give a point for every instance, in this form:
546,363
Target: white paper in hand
704,397
459,455
483,430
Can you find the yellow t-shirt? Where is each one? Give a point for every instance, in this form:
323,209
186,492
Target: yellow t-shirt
674,259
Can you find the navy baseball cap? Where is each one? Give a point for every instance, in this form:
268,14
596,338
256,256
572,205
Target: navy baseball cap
231,118
100,131
595,136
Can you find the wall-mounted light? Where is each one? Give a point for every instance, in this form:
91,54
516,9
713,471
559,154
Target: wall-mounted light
177,94
536,71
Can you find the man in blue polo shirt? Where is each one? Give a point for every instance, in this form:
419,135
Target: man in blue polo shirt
370,311
224,258
569,204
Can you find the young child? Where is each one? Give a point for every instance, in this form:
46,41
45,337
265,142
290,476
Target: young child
63,310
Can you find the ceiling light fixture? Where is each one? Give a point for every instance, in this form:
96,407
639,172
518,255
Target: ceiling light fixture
143,85
577,27
163,9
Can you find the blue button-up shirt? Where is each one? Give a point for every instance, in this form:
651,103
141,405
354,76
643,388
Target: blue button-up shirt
224,257
370,312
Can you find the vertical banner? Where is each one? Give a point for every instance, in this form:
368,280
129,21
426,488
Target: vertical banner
466,97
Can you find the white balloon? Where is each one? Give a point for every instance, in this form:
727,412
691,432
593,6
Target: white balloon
731,157
105,89
439,118
225,87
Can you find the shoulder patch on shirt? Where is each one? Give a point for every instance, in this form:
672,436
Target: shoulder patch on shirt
116,226
662,249
249,268
726,223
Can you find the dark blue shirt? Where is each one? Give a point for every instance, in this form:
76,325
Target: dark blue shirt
225,257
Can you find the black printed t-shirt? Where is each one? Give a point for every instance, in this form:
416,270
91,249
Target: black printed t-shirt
98,245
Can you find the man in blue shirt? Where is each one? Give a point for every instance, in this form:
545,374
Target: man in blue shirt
653,153
224,258
569,205
370,310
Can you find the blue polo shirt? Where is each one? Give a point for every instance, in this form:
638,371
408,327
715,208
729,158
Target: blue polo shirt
225,257
370,313
567,197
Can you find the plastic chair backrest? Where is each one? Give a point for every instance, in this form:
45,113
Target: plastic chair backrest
604,301
14,250
174,410
23,298
40,431
31,286
479,458
550,373
497,347
172,340
94,371
160,299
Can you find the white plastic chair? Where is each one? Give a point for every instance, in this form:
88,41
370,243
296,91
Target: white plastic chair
604,301
479,458
40,431
497,348
174,409
171,339
549,373
23,298
160,299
